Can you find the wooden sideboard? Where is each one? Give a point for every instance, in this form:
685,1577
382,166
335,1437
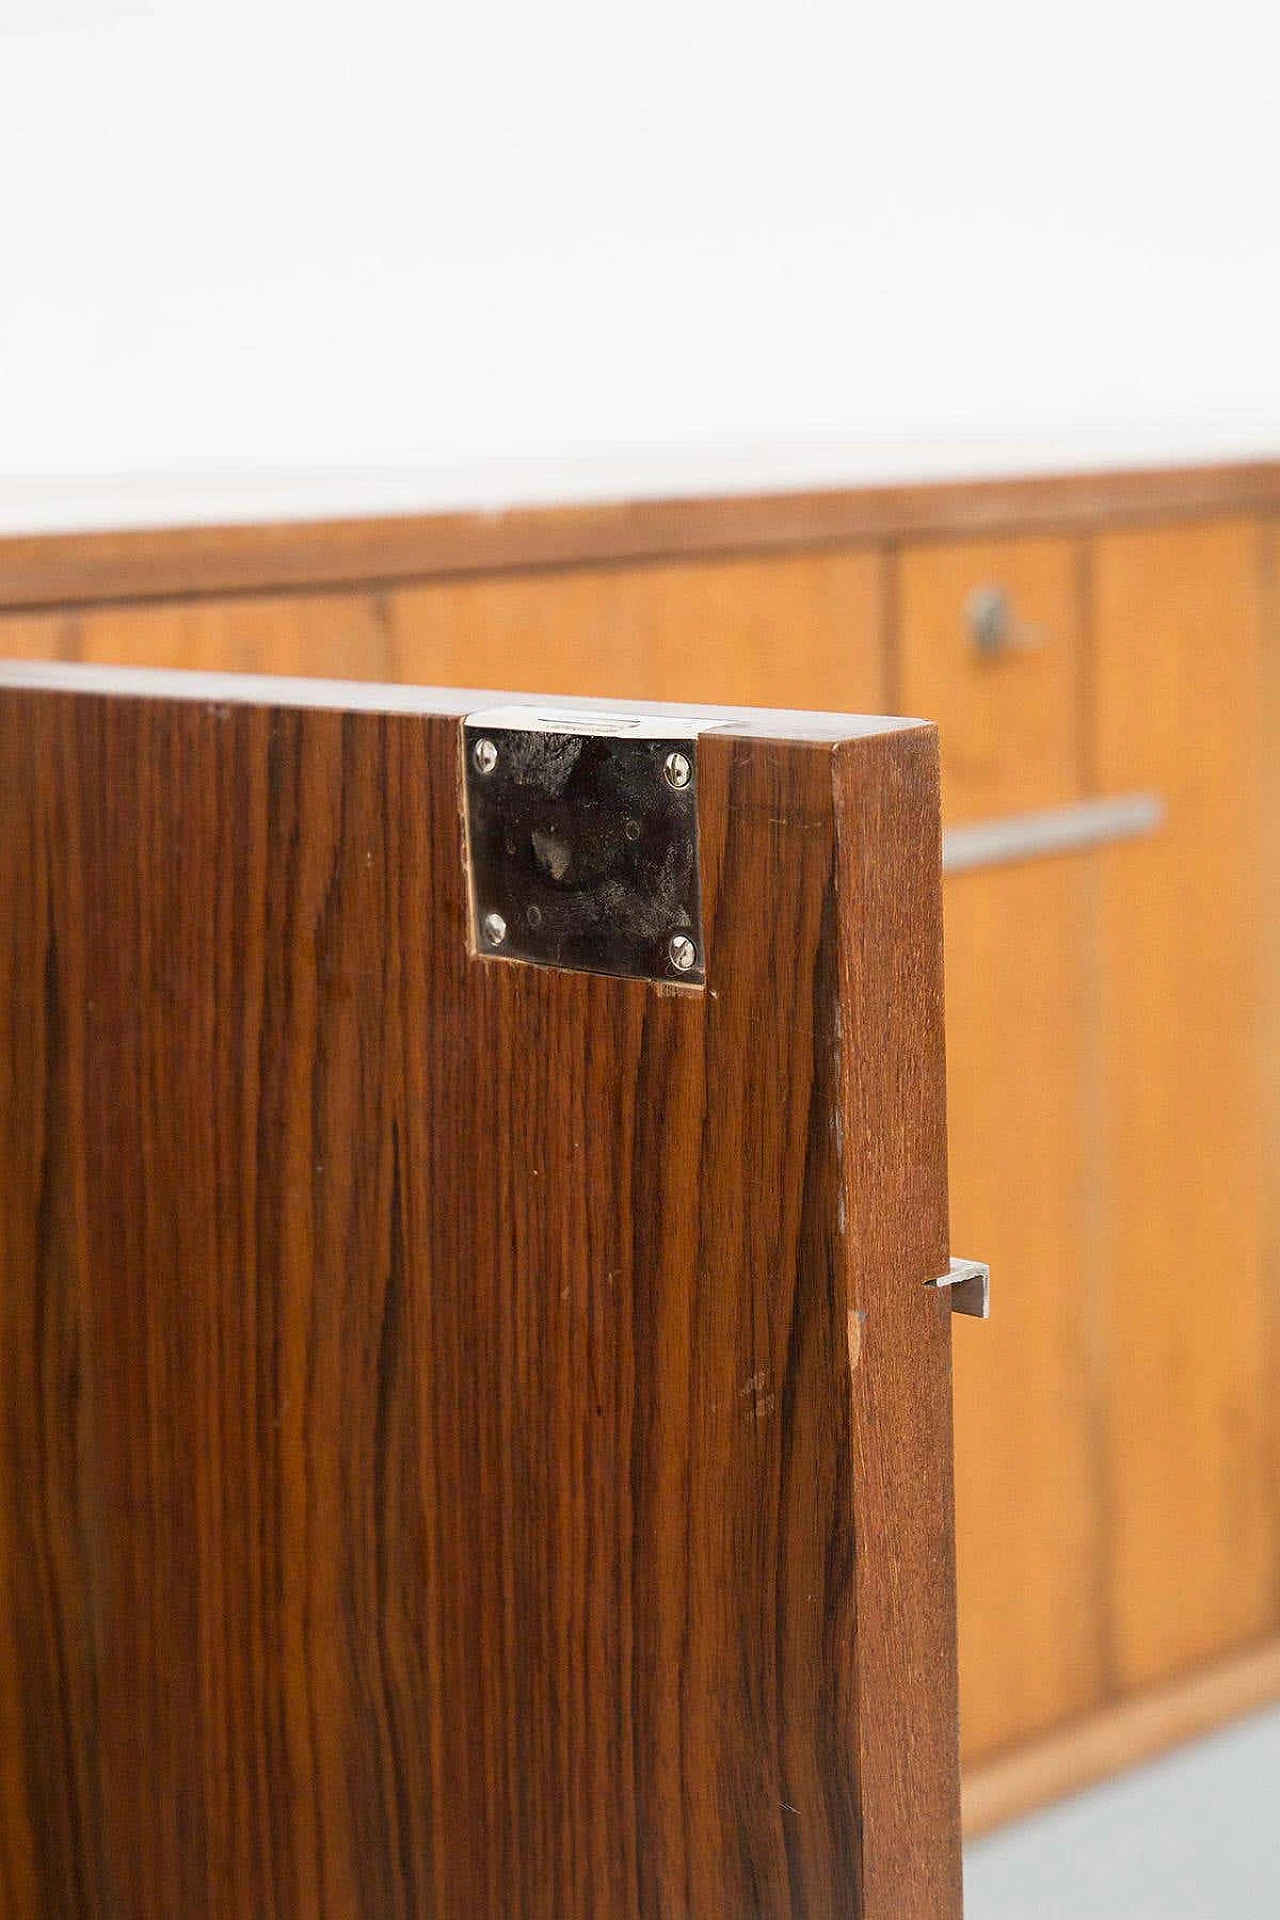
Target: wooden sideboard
1113,1011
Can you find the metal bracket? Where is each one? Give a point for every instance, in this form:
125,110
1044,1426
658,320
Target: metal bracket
970,1284
582,842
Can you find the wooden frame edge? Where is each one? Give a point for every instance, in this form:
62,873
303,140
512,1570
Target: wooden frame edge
1118,1737
893,1157
79,569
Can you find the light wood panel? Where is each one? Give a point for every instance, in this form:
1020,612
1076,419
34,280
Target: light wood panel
800,630
437,1475
39,636
790,630
1192,1492
1269,957
1028,1385
337,635
1011,726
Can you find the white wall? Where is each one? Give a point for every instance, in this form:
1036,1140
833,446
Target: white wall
411,240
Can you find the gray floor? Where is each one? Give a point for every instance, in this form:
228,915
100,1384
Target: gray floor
1196,1836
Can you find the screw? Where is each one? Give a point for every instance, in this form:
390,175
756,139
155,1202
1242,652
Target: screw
677,771
495,929
681,952
485,756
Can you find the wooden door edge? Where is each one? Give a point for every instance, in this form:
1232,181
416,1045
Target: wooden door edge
893,1158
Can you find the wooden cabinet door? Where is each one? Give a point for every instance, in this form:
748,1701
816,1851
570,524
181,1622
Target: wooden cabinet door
796,629
474,1435
1028,1387
1187,938
807,629
990,647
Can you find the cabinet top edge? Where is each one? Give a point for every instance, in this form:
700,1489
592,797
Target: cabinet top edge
372,697
179,559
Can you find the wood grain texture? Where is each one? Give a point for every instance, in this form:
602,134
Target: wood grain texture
801,630
895,1196
1028,1391
38,636
323,636
806,627
1192,1491
1268,947
1030,1384
432,1475
1012,727
798,630
78,568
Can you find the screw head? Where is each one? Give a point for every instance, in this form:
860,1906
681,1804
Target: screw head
484,756
681,952
495,929
677,771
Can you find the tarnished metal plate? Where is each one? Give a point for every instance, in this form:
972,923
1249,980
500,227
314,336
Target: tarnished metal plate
582,836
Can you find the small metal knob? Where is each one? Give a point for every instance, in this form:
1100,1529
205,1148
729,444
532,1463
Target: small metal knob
682,952
995,625
987,612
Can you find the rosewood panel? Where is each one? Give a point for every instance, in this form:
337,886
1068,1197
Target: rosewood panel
474,1440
